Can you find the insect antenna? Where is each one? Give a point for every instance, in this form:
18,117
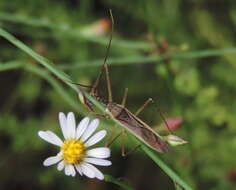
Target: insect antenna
163,118
104,66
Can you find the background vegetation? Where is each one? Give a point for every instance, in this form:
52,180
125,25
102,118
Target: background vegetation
180,53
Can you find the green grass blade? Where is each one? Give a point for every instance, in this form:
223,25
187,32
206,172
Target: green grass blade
45,75
111,179
10,65
54,83
153,58
203,53
154,156
42,60
72,32
178,187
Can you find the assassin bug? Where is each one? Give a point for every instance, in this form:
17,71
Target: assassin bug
120,113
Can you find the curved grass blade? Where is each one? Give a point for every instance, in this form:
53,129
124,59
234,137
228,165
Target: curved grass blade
71,32
54,83
111,179
45,75
10,65
153,58
42,60
154,156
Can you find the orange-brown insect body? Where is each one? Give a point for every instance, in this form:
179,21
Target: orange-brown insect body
137,127
121,114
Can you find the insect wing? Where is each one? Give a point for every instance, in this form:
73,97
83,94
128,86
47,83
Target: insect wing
140,129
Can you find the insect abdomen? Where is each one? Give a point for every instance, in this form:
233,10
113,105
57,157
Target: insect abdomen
139,129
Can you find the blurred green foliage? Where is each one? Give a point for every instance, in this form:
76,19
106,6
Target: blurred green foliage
180,53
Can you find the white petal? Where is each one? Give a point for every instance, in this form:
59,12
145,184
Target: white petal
61,165
96,138
50,137
90,129
101,152
51,160
55,138
62,121
98,161
78,168
98,174
71,125
68,169
72,171
86,170
82,127
60,154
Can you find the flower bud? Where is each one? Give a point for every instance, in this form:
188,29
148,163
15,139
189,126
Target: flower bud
98,28
174,140
173,124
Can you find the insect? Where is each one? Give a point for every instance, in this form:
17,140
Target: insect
120,113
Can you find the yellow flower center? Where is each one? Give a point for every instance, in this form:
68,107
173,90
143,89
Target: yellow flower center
73,151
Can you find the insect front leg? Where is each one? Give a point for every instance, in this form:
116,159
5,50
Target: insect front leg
124,97
123,152
149,100
100,115
113,139
122,136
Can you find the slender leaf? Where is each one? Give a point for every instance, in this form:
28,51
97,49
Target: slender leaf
42,60
153,58
72,32
154,156
54,83
10,65
111,179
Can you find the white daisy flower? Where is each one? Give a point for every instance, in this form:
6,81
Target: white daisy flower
74,154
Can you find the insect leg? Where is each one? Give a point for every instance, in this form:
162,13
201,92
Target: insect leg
105,60
114,138
124,154
163,118
122,135
124,97
99,115
111,136
149,100
104,66
108,79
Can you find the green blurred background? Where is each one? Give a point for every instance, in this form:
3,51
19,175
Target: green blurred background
180,53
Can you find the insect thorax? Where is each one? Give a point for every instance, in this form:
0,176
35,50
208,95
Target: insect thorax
114,109
99,99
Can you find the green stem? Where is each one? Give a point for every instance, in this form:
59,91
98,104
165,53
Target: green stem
42,60
10,65
43,74
153,58
111,179
153,155
66,29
